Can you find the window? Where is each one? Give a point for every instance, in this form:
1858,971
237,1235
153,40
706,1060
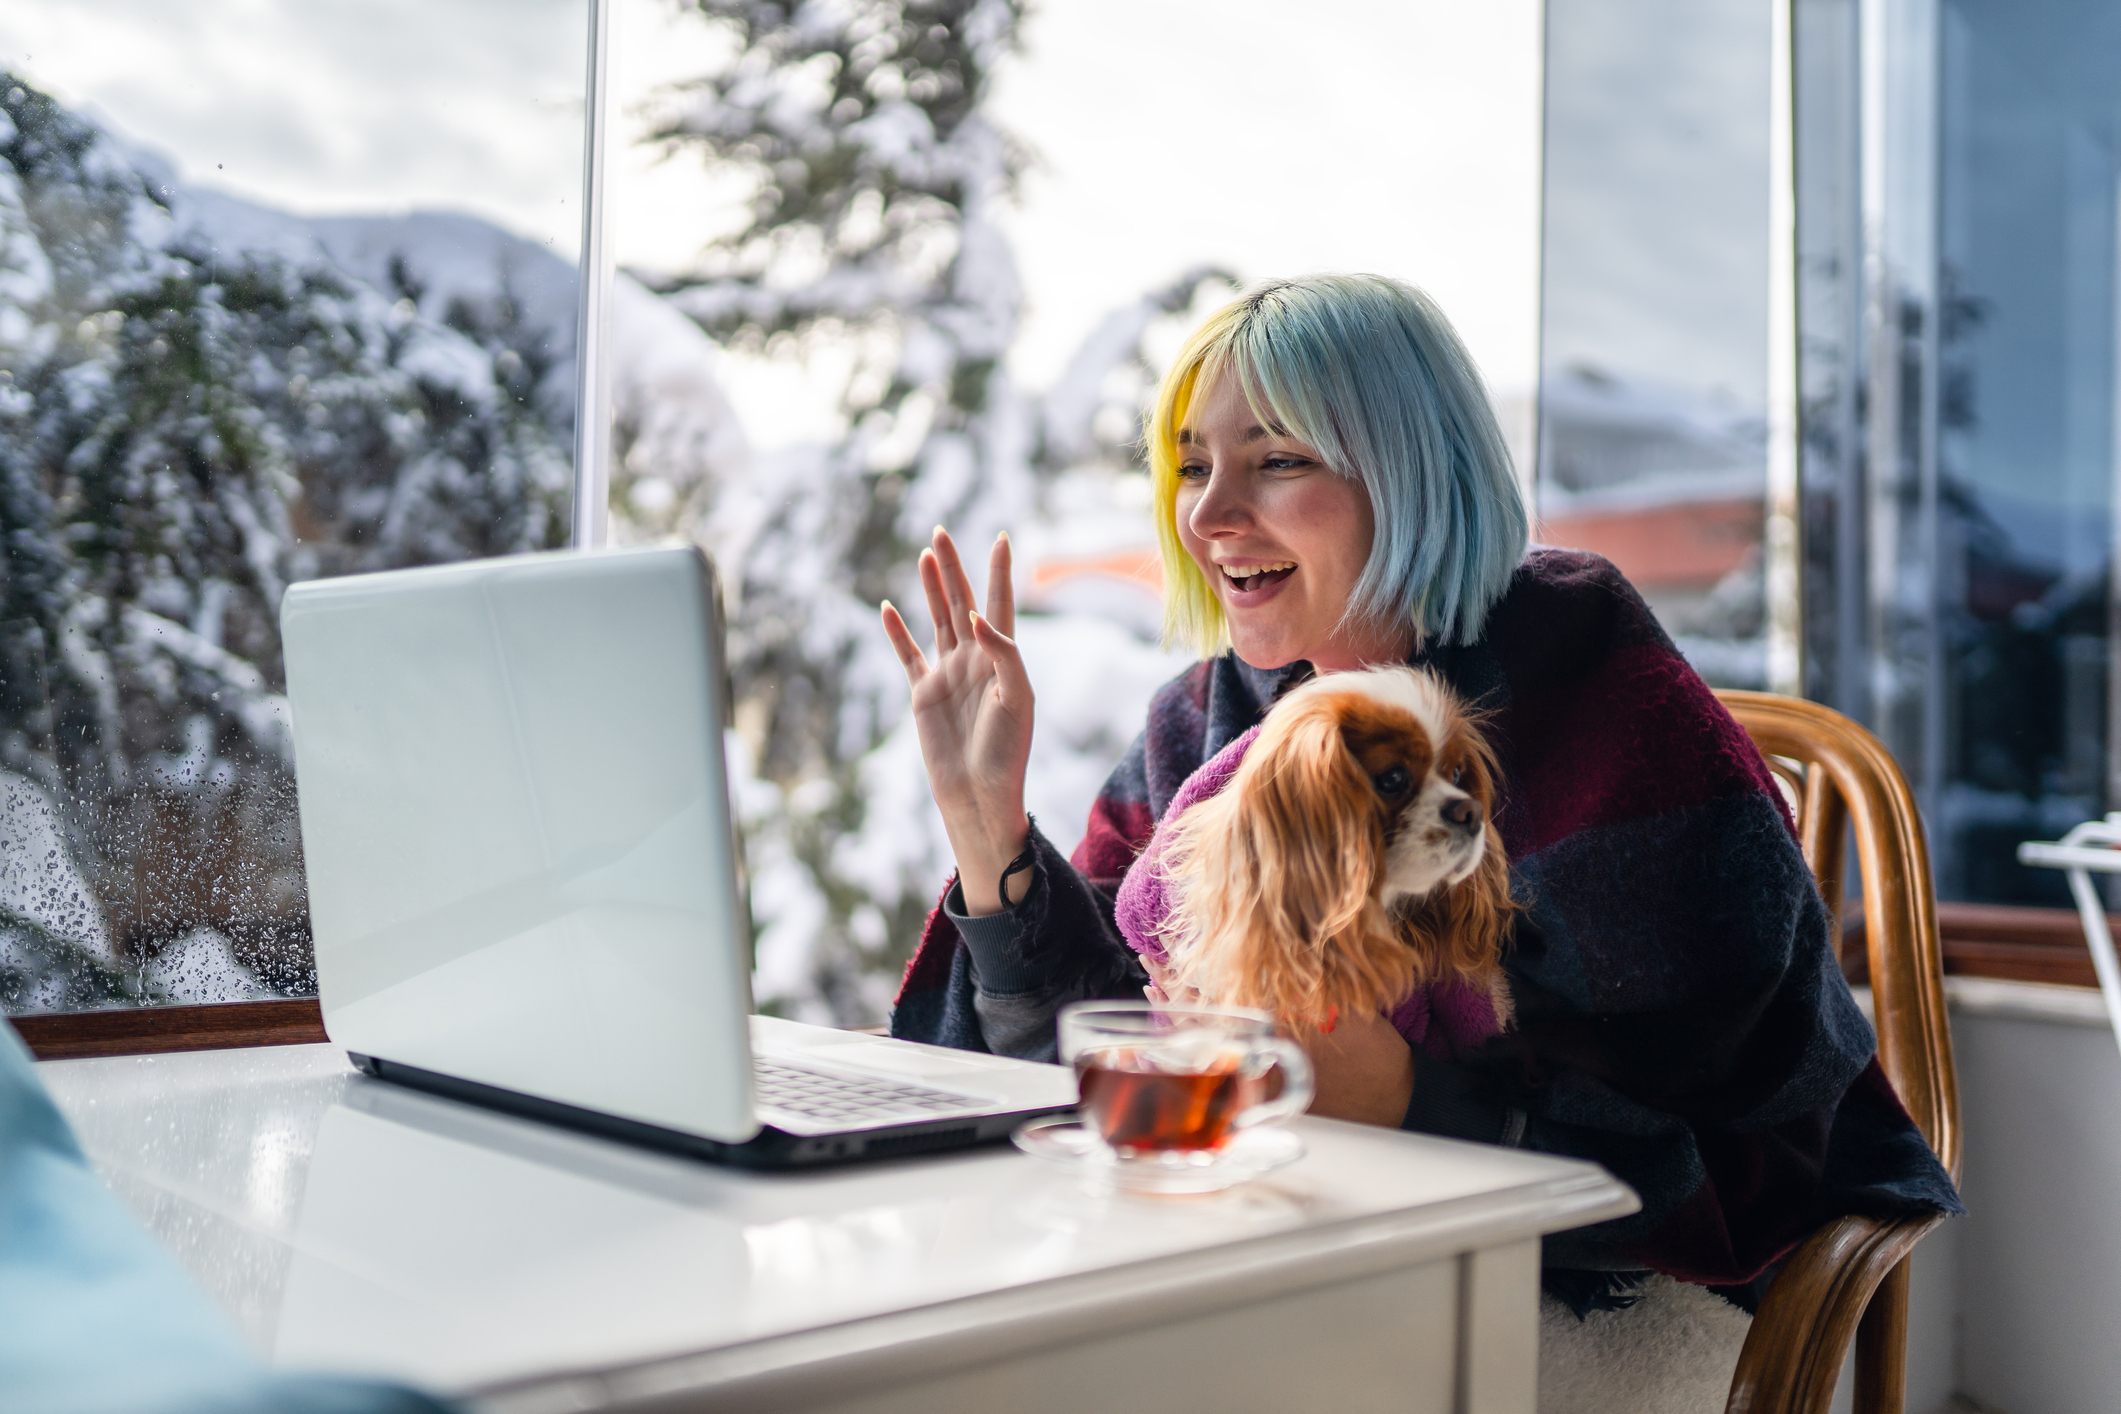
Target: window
907,325
1934,557
1957,201
1655,335
263,317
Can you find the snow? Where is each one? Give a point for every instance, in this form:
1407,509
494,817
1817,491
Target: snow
1612,429
200,968
443,360
39,881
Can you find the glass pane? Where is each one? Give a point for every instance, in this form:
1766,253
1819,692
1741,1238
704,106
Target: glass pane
941,285
2025,431
1868,307
1653,389
286,290
1830,350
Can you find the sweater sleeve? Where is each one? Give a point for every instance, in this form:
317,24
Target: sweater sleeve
1726,1075
994,983
1028,961
1450,1101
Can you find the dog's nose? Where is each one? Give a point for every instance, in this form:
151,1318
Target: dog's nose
1463,813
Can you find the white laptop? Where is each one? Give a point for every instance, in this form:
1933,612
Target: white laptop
522,872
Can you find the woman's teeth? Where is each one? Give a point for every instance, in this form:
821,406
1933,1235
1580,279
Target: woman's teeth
1246,578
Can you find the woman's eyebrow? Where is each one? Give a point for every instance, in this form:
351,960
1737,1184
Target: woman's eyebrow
1255,433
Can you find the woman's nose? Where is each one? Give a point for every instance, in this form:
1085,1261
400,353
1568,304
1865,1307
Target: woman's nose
1223,508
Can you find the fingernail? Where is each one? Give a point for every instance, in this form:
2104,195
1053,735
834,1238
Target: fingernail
1003,537
887,605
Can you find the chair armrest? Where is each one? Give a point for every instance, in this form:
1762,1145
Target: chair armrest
1794,1352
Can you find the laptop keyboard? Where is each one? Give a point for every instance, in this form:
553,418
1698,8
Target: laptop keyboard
837,1100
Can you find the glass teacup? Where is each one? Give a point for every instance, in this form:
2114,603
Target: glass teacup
1169,1087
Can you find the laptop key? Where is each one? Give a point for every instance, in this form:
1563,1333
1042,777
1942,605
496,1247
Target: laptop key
836,1098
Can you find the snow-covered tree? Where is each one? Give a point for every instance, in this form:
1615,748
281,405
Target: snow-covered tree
876,181
202,401
183,432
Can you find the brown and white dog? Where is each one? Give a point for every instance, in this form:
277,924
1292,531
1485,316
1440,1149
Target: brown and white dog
1352,859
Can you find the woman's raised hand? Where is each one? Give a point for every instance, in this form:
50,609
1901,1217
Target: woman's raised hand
972,707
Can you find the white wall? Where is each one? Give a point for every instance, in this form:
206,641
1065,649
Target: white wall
2017,1307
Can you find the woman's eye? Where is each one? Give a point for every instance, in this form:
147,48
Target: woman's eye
1393,780
1192,471
1285,463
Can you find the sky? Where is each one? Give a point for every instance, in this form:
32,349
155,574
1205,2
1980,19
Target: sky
1276,139
1353,135
1348,135
335,106
1395,136
1656,192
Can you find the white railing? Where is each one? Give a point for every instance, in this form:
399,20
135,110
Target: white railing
2094,847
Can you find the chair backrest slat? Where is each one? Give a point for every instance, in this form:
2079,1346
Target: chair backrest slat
1822,824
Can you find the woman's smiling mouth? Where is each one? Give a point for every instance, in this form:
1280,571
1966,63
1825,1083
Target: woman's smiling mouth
1250,579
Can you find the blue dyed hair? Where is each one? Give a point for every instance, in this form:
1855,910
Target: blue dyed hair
1368,373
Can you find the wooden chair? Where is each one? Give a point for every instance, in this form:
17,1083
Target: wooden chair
1850,1278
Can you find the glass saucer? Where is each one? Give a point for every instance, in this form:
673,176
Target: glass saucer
1062,1140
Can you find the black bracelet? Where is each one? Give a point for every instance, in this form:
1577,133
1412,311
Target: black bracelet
1027,858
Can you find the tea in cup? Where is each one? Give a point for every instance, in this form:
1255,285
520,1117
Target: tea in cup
1168,1086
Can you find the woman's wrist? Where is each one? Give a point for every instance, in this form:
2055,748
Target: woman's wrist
982,858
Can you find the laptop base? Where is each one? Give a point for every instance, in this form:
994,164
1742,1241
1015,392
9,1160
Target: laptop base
770,1149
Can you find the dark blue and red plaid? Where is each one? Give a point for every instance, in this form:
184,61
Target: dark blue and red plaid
1680,1015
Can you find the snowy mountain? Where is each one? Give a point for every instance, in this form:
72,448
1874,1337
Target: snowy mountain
676,420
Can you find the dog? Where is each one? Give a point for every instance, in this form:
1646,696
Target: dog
1352,859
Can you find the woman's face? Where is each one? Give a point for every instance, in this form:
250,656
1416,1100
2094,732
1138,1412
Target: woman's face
1281,538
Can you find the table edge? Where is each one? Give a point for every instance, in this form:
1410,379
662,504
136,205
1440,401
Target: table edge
924,1341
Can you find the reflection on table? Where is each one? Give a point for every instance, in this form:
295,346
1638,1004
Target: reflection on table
351,1225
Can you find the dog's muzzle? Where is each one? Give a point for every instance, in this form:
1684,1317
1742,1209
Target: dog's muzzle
1464,815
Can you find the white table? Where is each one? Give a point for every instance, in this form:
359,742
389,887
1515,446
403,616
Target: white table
351,1225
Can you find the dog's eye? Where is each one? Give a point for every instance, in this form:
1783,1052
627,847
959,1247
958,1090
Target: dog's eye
1393,780
1458,775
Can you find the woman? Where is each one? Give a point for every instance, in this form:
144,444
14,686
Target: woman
1332,491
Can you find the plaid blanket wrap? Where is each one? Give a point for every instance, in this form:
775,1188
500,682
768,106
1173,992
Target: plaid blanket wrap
1681,1018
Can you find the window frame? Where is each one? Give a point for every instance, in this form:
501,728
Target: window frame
152,1030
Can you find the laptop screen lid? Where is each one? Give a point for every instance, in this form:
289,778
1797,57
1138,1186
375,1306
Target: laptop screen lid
516,829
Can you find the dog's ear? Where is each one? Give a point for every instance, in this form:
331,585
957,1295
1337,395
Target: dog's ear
1462,929
1279,876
